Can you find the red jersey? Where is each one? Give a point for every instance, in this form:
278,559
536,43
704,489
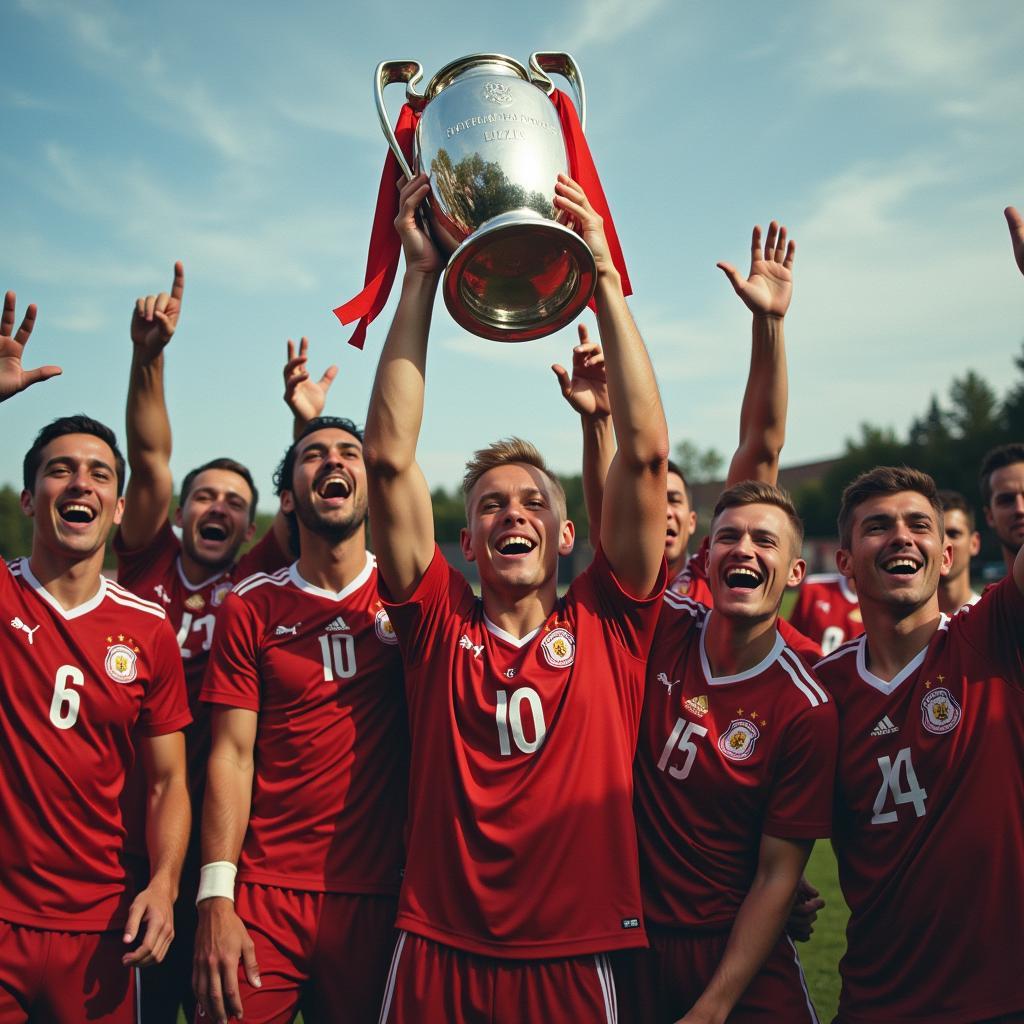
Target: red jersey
521,835
74,683
692,580
929,821
721,761
322,670
155,573
827,611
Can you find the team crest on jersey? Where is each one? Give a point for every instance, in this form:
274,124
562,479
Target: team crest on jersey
559,648
121,663
195,602
737,742
681,585
219,593
940,713
855,615
383,628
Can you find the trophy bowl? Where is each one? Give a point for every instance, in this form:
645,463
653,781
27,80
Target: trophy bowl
490,140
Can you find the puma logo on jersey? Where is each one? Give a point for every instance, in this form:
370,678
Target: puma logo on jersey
467,645
885,727
824,606
162,594
287,630
666,682
338,624
18,624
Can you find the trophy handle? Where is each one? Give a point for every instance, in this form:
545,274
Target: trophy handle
563,64
389,71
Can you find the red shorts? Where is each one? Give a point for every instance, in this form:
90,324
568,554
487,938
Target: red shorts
663,982
323,953
434,984
64,977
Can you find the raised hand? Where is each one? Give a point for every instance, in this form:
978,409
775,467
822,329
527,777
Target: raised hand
571,198
587,390
155,317
769,287
305,397
1016,223
420,252
13,376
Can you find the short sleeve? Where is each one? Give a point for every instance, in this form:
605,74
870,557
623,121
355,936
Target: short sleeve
232,673
631,620
994,627
422,617
800,803
152,561
264,556
809,651
165,705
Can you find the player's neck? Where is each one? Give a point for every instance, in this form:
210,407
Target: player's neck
734,645
71,580
201,572
330,564
894,637
676,566
520,612
954,593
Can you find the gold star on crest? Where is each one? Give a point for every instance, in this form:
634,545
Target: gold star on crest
942,679
120,636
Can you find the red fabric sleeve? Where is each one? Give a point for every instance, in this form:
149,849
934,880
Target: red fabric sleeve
232,674
264,556
151,562
994,627
798,616
809,651
800,804
165,705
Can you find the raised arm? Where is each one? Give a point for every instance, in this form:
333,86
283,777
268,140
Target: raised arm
1016,225
586,391
304,396
222,940
766,292
147,426
168,819
633,508
13,376
401,516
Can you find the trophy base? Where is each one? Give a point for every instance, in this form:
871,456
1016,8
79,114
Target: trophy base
519,277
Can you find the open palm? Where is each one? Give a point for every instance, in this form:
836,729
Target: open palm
13,376
768,288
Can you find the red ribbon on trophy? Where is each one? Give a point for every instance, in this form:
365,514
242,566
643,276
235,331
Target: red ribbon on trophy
385,247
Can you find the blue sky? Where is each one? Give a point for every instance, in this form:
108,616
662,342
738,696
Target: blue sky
243,140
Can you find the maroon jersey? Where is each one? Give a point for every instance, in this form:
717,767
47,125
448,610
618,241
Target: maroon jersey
322,670
74,683
155,573
827,611
721,761
521,836
929,821
692,580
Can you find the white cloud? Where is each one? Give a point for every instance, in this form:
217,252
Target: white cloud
603,22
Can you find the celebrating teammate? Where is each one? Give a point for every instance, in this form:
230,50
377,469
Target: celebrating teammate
1002,494
308,764
965,541
521,869
89,679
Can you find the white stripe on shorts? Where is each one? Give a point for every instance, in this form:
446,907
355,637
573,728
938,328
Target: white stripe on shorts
607,982
389,988
803,982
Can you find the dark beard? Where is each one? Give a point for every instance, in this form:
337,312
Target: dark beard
333,533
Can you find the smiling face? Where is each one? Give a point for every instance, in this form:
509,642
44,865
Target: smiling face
682,521
215,519
753,557
1005,512
515,533
328,492
964,541
897,551
74,501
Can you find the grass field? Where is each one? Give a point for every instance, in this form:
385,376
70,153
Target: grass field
821,955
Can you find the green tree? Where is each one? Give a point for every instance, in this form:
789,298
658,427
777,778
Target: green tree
698,465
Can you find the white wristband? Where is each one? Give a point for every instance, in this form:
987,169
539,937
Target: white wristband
217,879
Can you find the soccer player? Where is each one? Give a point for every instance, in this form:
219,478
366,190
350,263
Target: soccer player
827,610
958,525
734,773
521,871
89,679
931,729
189,577
308,771
1002,495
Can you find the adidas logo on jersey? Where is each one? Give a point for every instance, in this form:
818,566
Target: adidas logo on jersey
338,624
885,727
697,705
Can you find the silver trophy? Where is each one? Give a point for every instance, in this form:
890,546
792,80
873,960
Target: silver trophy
490,140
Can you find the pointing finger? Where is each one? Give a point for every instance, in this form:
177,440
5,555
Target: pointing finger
178,285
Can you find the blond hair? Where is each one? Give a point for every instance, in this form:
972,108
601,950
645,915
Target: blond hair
508,451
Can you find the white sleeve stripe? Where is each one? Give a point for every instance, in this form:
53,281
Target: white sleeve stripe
252,582
389,988
802,669
811,697
115,588
684,604
150,609
848,648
